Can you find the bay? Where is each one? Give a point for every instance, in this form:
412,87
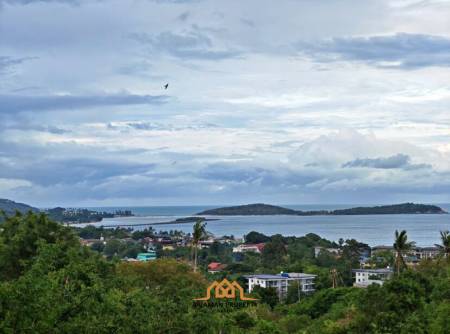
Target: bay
371,229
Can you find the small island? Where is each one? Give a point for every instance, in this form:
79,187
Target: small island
260,209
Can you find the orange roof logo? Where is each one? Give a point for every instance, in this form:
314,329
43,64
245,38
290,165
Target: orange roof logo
225,290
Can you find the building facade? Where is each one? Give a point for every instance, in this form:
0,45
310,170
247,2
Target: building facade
256,248
281,282
149,256
365,277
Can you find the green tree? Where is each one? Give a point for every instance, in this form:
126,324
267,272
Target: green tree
273,254
402,246
244,320
113,247
445,246
256,238
198,234
20,237
268,296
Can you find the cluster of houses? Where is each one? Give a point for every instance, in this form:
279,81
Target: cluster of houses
414,256
366,275
304,282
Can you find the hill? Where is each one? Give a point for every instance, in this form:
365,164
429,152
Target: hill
258,209
265,209
404,208
10,207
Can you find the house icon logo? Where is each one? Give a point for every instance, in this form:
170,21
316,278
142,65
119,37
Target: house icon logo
225,290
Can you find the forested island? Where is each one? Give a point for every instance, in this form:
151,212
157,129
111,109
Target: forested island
260,209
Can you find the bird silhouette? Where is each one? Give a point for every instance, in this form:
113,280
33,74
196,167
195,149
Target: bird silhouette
166,86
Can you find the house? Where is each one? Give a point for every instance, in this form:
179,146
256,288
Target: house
334,251
426,252
168,247
366,277
144,257
206,243
215,267
226,240
281,282
416,254
243,248
90,242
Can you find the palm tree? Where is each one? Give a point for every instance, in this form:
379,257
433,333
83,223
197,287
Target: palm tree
402,246
198,233
445,247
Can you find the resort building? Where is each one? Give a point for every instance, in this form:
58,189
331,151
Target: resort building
149,256
366,277
334,251
416,254
281,282
426,252
256,248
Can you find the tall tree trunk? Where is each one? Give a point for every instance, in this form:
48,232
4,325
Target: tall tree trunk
195,258
398,260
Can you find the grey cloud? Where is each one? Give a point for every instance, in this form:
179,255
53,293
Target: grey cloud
27,2
183,16
18,103
8,63
35,127
191,45
402,50
48,172
393,162
175,1
251,174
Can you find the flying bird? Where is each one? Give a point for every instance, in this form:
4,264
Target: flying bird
166,86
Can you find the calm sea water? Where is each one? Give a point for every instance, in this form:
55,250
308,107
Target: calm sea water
371,229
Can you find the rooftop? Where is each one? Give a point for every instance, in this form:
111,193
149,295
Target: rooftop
280,276
374,271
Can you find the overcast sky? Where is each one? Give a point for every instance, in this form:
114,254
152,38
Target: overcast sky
284,102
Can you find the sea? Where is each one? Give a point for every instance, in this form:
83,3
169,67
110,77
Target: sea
371,229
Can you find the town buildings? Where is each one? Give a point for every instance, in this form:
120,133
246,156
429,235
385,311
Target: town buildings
416,254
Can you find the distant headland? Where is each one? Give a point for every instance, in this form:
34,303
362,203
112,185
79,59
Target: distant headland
260,209
63,215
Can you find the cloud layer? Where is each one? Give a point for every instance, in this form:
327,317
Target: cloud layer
18,103
298,102
402,51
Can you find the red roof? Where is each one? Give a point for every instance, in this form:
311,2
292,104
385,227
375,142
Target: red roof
260,246
215,266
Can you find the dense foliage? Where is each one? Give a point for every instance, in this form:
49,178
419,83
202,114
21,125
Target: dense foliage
51,284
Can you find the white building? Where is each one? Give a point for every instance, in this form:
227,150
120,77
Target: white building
281,282
366,277
333,251
255,248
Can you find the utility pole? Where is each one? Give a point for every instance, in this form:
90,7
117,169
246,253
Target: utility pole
334,274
